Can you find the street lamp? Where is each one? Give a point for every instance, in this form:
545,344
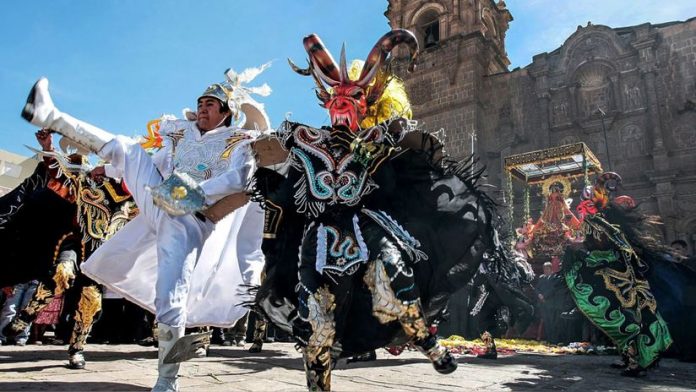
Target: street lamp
604,131
473,137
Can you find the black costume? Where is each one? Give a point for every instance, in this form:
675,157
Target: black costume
58,219
383,241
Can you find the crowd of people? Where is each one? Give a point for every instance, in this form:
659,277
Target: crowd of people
190,228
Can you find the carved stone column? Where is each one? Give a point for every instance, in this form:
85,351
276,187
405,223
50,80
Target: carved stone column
616,91
572,96
544,114
664,193
660,159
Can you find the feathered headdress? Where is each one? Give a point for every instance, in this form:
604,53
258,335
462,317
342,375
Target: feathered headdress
237,95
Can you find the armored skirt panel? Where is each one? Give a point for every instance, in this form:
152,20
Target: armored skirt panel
611,291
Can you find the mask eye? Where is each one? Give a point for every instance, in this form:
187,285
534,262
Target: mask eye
356,93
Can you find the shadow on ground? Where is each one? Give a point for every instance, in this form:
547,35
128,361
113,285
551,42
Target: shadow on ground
269,359
61,354
69,386
589,372
58,354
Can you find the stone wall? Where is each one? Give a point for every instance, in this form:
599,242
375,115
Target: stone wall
643,78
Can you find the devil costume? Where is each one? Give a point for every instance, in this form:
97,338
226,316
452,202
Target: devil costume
77,215
387,227
192,208
500,302
606,275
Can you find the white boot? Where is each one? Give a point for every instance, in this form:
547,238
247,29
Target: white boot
40,111
166,381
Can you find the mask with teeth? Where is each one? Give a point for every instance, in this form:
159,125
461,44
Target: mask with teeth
348,100
347,106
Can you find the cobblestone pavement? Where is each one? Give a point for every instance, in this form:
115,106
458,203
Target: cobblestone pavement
279,368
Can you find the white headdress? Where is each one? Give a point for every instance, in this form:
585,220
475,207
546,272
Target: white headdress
237,95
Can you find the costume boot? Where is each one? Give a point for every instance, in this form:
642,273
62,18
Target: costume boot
76,360
414,324
443,361
40,111
166,381
88,309
318,368
259,335
633,369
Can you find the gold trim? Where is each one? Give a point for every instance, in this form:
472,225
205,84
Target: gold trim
232,142
114,195
546,185
553,154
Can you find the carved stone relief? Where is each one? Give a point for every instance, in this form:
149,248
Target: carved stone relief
595,91
687,205
632,141
685,136
595,98
633,97
570,139
559,112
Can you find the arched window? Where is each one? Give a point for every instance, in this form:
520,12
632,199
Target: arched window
429,28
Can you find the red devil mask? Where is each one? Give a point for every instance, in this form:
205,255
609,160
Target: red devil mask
348,100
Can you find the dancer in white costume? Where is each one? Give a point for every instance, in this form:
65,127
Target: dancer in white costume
185,256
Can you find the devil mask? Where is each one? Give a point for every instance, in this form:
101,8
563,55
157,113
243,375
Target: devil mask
347,100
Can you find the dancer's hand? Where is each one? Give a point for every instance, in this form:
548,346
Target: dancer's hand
98,174
43,136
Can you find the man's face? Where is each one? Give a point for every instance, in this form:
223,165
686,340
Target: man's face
679,248
208,114
547,270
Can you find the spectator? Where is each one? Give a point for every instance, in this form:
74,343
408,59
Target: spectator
546,287
680,248
19,298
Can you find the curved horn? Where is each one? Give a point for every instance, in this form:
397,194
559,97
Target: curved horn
323,64
322,94
381,51
302,71
343,66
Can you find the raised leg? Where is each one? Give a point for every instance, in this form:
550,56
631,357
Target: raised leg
40,111
395,297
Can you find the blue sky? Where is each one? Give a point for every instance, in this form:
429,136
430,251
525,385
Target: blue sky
119,64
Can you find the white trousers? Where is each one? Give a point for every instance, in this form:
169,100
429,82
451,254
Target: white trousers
179,239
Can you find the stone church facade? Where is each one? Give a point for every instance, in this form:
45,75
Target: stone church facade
637,84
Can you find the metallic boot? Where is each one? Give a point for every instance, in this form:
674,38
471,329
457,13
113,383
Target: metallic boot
88,309
40,111
166,381
76,361
318,363
442,359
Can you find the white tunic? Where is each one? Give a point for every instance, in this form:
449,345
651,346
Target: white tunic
188,271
